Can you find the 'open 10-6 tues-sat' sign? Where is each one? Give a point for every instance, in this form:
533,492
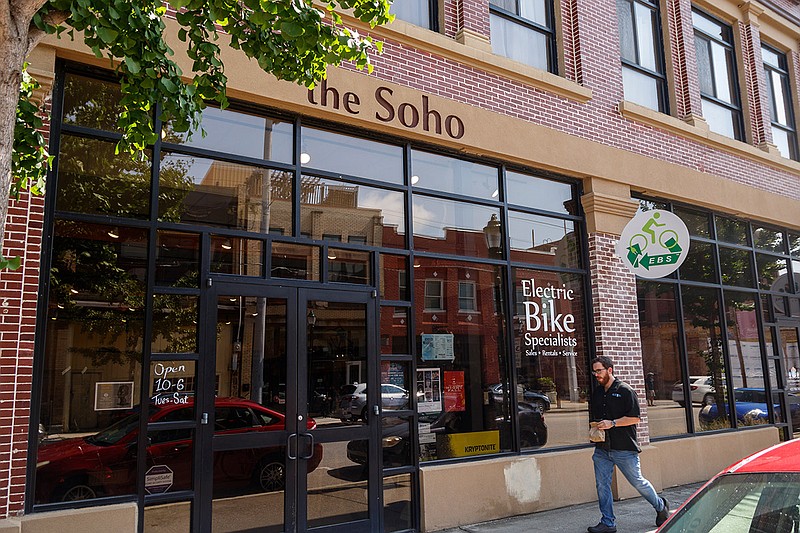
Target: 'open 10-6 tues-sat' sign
654,244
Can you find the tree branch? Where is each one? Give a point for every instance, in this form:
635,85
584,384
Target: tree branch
35,35
24,10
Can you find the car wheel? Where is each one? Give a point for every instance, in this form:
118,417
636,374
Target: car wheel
364,414
708,399
529,439
271,475
76,491
539,404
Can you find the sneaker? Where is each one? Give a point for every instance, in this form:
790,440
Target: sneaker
663,514
602,528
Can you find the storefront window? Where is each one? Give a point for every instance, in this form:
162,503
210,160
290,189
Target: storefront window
658,328
745,365
448,227
447,174
92,358
539,193
460,363
352,156
543,240
551,357
91,103
737,267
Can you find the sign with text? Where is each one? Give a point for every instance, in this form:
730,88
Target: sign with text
112,395
466,444
158,479
548,324
654,244
454,397
437,347
429,390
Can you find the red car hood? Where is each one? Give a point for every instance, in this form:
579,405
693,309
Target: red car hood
65,449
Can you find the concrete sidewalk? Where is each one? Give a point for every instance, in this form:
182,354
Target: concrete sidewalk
634,515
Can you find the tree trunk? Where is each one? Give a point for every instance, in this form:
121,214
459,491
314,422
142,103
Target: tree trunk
12,57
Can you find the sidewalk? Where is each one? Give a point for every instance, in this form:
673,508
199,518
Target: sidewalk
633,516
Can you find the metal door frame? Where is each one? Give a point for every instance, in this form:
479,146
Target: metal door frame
295,496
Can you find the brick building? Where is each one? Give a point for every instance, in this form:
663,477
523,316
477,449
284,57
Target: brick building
372,306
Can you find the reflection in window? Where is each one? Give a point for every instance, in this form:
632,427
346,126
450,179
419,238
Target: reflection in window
394,330
434,299
174,323
658,328
550,338
460,363
719,85
745,357
447,174
91,103
177,259
195,190
543,240
737,267
642,58
234,255
373,216
240,133
350,155
539,193
523,31
348,266
733,231
696,222
416,12
768,239
91,367
781,110
393,277
703,336
445,226
771,273
700,263
466,296
92,179
294,261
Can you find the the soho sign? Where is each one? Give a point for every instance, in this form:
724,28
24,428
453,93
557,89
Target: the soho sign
654,244
385,107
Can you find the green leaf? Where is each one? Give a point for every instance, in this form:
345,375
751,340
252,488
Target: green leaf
132,64
292,29
107,35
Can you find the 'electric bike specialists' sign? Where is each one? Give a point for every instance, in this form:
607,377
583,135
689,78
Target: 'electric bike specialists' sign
549,323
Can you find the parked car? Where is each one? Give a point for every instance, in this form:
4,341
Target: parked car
535,398
397,449
759,494
700,389
751,408
104,464
353,400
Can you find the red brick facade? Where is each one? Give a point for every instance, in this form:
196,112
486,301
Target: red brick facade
590,55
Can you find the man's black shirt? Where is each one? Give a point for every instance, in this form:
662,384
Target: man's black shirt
618,401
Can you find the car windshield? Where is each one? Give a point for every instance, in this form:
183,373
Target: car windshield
758,503
113,433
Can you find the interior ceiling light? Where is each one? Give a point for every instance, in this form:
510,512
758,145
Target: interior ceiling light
113,234
226,245
414,179
73,291
331,254
496,193
305,158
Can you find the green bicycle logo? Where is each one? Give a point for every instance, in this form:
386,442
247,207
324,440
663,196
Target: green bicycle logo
654,240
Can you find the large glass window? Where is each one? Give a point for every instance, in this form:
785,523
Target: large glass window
716,67
523,30
642,56
781,109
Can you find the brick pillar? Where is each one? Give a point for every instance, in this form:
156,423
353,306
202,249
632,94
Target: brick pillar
608,207
472,22
18,300
683,59
757,103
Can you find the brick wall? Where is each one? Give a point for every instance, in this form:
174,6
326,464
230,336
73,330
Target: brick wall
616,317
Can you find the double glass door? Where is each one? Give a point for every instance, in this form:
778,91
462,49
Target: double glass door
288,437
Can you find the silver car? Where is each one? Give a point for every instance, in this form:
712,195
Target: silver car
353,400
700,388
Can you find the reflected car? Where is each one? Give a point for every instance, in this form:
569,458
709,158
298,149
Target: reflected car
537,399
751,409
759,494
700,389
105,464
396,447
353,400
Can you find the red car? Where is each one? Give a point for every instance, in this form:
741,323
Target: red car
759,494
104,464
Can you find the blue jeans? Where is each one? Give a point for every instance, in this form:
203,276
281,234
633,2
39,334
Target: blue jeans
628,463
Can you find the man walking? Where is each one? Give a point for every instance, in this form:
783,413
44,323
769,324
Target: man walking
615,408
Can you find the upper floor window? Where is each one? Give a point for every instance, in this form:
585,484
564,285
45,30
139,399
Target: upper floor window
642,55
784,132
523,30
434,296
716,67
417,12
466,296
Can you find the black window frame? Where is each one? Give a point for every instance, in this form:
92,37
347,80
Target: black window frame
548,32
727,42
783,72
660,77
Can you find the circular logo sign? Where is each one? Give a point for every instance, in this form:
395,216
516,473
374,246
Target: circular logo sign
654,244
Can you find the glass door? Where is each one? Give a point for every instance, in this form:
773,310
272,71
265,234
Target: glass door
292,423
790,354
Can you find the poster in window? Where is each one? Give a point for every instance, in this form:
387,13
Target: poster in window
454,394
429,390
113,395
437,347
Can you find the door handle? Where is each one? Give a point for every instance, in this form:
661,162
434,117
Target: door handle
289,447
310,446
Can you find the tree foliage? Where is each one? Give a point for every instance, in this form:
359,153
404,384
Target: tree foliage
295,40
